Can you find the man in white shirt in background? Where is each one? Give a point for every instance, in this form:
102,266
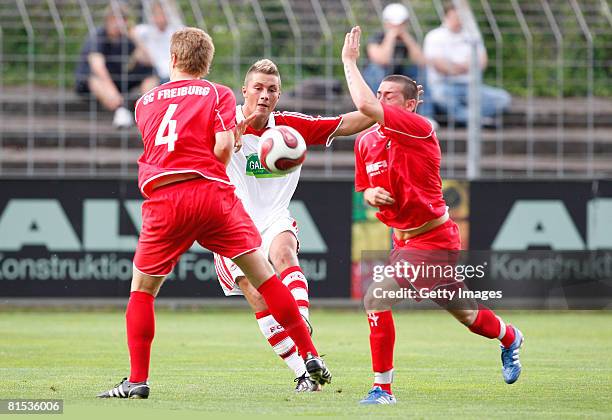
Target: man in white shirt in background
154,36
447,50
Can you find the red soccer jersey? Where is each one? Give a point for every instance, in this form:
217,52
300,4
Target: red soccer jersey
315,130
178,122
402,156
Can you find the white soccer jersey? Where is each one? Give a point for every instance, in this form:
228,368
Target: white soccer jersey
266,196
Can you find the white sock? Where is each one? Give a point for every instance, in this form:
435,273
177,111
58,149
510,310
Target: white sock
281,343
296,282
383,377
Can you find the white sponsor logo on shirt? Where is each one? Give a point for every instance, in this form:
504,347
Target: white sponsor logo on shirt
376,167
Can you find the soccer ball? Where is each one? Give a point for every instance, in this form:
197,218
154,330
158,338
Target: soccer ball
281,149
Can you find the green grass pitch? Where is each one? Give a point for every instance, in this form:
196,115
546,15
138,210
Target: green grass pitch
213,362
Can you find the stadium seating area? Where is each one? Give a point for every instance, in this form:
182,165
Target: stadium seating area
551,55
85,145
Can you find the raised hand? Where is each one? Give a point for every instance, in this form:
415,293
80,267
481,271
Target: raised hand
350,49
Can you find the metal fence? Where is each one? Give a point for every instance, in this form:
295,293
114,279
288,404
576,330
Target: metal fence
554,56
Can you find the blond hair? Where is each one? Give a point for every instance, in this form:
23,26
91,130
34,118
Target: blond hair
263,66
194,51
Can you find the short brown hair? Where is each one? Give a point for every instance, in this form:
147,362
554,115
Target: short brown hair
264,66
448,6
409,86
194,51
118,10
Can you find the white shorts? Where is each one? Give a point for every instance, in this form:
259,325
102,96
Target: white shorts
228,272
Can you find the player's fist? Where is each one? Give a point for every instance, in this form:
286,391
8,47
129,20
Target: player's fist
350,49
378,196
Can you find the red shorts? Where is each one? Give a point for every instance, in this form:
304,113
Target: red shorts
178,214
444,237
434,251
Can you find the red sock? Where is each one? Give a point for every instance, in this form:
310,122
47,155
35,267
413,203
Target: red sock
384,387
140,322
283,308
382,342
509,336
489,325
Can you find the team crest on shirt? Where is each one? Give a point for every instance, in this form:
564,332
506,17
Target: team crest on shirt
256,169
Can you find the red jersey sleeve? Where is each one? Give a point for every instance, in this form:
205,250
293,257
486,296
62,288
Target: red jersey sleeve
225,110
406,122
362,182
315,130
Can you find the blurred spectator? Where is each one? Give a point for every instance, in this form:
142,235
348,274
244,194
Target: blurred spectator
395,51
448,50
111,65
154,36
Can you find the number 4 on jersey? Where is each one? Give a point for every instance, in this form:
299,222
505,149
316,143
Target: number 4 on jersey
172,135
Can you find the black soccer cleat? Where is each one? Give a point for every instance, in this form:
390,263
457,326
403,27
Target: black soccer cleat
306,384
127,389
315,366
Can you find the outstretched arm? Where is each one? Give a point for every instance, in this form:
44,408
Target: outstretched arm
353,123
362,96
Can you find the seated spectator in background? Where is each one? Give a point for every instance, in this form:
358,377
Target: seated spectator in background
154,36
395,51
111,65
448,51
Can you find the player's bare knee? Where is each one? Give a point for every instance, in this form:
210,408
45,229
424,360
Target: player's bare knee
253,297
373,303
145,283
284,257
465,316
146,288
369,302
470,316
258,303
